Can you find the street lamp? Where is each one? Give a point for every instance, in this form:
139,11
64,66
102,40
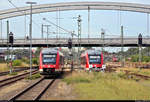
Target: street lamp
31,35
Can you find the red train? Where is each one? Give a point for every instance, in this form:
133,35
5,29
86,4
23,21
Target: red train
115,59
51,61
92,60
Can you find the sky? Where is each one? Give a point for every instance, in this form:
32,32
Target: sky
133,22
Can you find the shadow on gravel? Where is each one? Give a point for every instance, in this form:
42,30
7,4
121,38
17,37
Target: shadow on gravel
57,76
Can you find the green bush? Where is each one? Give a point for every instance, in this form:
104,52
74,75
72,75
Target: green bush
17,63
146,59
135,58
35,61
25,60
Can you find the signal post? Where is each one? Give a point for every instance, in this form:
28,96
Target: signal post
140,47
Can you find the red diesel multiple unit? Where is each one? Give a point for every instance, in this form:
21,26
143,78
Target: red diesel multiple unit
115,59
51,61
92,60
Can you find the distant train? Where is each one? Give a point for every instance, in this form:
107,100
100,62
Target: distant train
51,61
115,59
92,60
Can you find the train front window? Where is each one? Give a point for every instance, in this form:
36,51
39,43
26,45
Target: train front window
95,59
49,59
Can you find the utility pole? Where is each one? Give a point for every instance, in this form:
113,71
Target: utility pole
148,52
72,50
11,40
103,37
47,31
140,54
79,40
8,51
122,50
140,47
1,28
42,31
31,3
88,23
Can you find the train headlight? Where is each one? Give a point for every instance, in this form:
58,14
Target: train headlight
103,66
41,70
90,66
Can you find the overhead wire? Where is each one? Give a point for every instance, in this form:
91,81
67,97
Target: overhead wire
69,32
23,12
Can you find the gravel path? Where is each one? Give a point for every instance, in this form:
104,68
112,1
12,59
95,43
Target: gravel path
59,91
8,91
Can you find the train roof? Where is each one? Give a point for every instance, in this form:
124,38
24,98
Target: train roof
50,51
92,52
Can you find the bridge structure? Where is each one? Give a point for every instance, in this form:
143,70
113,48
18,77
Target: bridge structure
66,6
85,42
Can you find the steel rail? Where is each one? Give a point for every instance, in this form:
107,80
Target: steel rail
33,86
15,70
11,80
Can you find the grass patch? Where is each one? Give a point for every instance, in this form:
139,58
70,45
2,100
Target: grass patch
136,70
3,67
17,63
13,73
34,76
25,71
76,80
107,86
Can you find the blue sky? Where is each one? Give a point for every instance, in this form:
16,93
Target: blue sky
133,22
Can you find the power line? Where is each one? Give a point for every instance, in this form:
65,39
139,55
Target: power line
69,32
23,12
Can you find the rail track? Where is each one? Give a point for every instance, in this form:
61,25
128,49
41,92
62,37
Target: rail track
11,80
16,70
109,69
35,91
138,75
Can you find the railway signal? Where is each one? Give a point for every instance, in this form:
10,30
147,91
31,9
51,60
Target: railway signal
140,46
70,43
140,39
11,38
